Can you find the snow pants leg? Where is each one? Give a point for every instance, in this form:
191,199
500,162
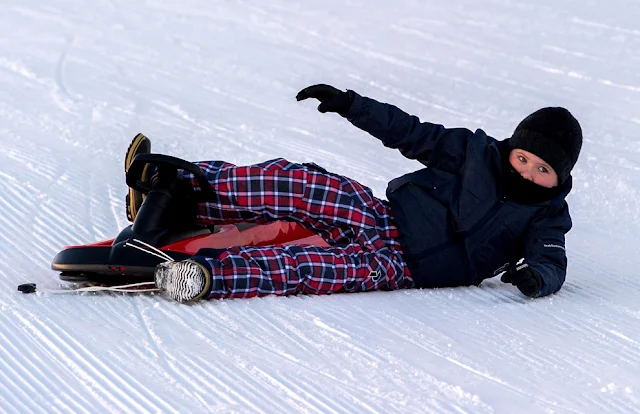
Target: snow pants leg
363,252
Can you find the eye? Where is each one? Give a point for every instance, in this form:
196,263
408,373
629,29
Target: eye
543,170
522,159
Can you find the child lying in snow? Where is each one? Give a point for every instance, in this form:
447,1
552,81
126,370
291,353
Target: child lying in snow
476,209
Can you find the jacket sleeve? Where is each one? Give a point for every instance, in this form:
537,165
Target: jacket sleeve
545,249
431,144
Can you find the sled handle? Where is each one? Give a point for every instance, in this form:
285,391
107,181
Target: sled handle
169,164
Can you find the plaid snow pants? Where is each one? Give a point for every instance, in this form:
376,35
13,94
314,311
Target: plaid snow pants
363,252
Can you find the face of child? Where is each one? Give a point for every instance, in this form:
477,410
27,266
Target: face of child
533,168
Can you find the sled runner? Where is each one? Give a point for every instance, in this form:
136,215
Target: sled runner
120,260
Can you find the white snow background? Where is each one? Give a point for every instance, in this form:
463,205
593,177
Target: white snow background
217,80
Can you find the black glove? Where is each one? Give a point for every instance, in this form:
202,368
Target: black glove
525,278
331,99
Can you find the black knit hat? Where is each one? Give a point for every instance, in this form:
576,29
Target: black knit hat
552,134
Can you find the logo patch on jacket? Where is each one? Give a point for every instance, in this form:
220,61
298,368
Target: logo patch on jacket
375,275
556,246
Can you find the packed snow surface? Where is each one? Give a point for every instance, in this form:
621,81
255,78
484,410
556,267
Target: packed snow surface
217,80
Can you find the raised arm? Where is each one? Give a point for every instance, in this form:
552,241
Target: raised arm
397,129
431,144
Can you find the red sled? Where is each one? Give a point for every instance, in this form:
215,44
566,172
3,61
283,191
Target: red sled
117,260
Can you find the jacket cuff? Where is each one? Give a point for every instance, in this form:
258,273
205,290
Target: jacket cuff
356,106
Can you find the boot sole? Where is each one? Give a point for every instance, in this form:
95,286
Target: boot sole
162,282
134,198
132,151
207,283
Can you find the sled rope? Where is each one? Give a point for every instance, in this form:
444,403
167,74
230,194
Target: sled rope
120,288
154,251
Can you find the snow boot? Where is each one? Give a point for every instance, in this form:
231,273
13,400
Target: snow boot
184,281
139,145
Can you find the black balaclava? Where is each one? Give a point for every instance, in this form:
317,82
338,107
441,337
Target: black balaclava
523,191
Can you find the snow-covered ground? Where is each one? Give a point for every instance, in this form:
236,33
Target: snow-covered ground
217,79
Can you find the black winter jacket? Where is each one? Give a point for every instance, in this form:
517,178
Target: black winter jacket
456,227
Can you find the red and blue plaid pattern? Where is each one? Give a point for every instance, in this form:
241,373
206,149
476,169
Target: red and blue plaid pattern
364,253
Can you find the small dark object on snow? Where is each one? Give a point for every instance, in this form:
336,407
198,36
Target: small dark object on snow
27,288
